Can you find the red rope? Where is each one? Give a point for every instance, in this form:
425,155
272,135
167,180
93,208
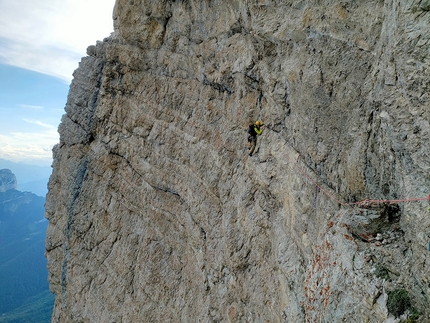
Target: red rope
369,202
360,203
315,183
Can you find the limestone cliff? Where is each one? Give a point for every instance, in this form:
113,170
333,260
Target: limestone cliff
157,213
7,180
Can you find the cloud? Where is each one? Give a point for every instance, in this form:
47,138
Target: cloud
45,59
33,107
26,146
40,123
51,36
30,146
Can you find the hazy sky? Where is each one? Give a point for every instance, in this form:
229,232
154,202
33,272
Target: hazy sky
41,44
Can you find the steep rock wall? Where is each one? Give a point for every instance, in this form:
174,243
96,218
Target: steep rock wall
158,214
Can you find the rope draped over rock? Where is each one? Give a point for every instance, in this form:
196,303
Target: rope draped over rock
362,203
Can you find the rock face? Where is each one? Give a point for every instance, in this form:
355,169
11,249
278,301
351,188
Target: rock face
157,213
7,180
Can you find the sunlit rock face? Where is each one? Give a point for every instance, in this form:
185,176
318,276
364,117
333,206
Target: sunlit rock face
157,213
7,180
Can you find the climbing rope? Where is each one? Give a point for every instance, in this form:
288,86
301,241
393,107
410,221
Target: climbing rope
258,105
362,203
365,203
295,163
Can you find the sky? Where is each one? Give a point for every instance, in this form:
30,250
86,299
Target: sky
41,44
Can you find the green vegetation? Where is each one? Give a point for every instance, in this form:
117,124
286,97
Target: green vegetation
381,272
413,318
399,302
37,309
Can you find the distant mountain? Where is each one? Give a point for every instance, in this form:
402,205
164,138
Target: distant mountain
23,272
7,180
37,309
30,178
39,187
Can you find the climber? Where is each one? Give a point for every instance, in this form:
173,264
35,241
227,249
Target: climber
254,130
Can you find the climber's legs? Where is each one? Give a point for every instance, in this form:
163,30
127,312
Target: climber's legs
251,145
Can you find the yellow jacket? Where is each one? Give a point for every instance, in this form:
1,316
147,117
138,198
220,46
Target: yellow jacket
257,130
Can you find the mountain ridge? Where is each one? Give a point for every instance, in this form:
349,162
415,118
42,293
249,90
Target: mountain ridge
30,178
23,272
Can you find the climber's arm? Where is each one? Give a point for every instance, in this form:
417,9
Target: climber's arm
259,131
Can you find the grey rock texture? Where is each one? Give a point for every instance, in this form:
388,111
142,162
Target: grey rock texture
157,213
7,180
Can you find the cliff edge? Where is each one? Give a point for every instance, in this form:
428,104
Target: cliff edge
157,213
